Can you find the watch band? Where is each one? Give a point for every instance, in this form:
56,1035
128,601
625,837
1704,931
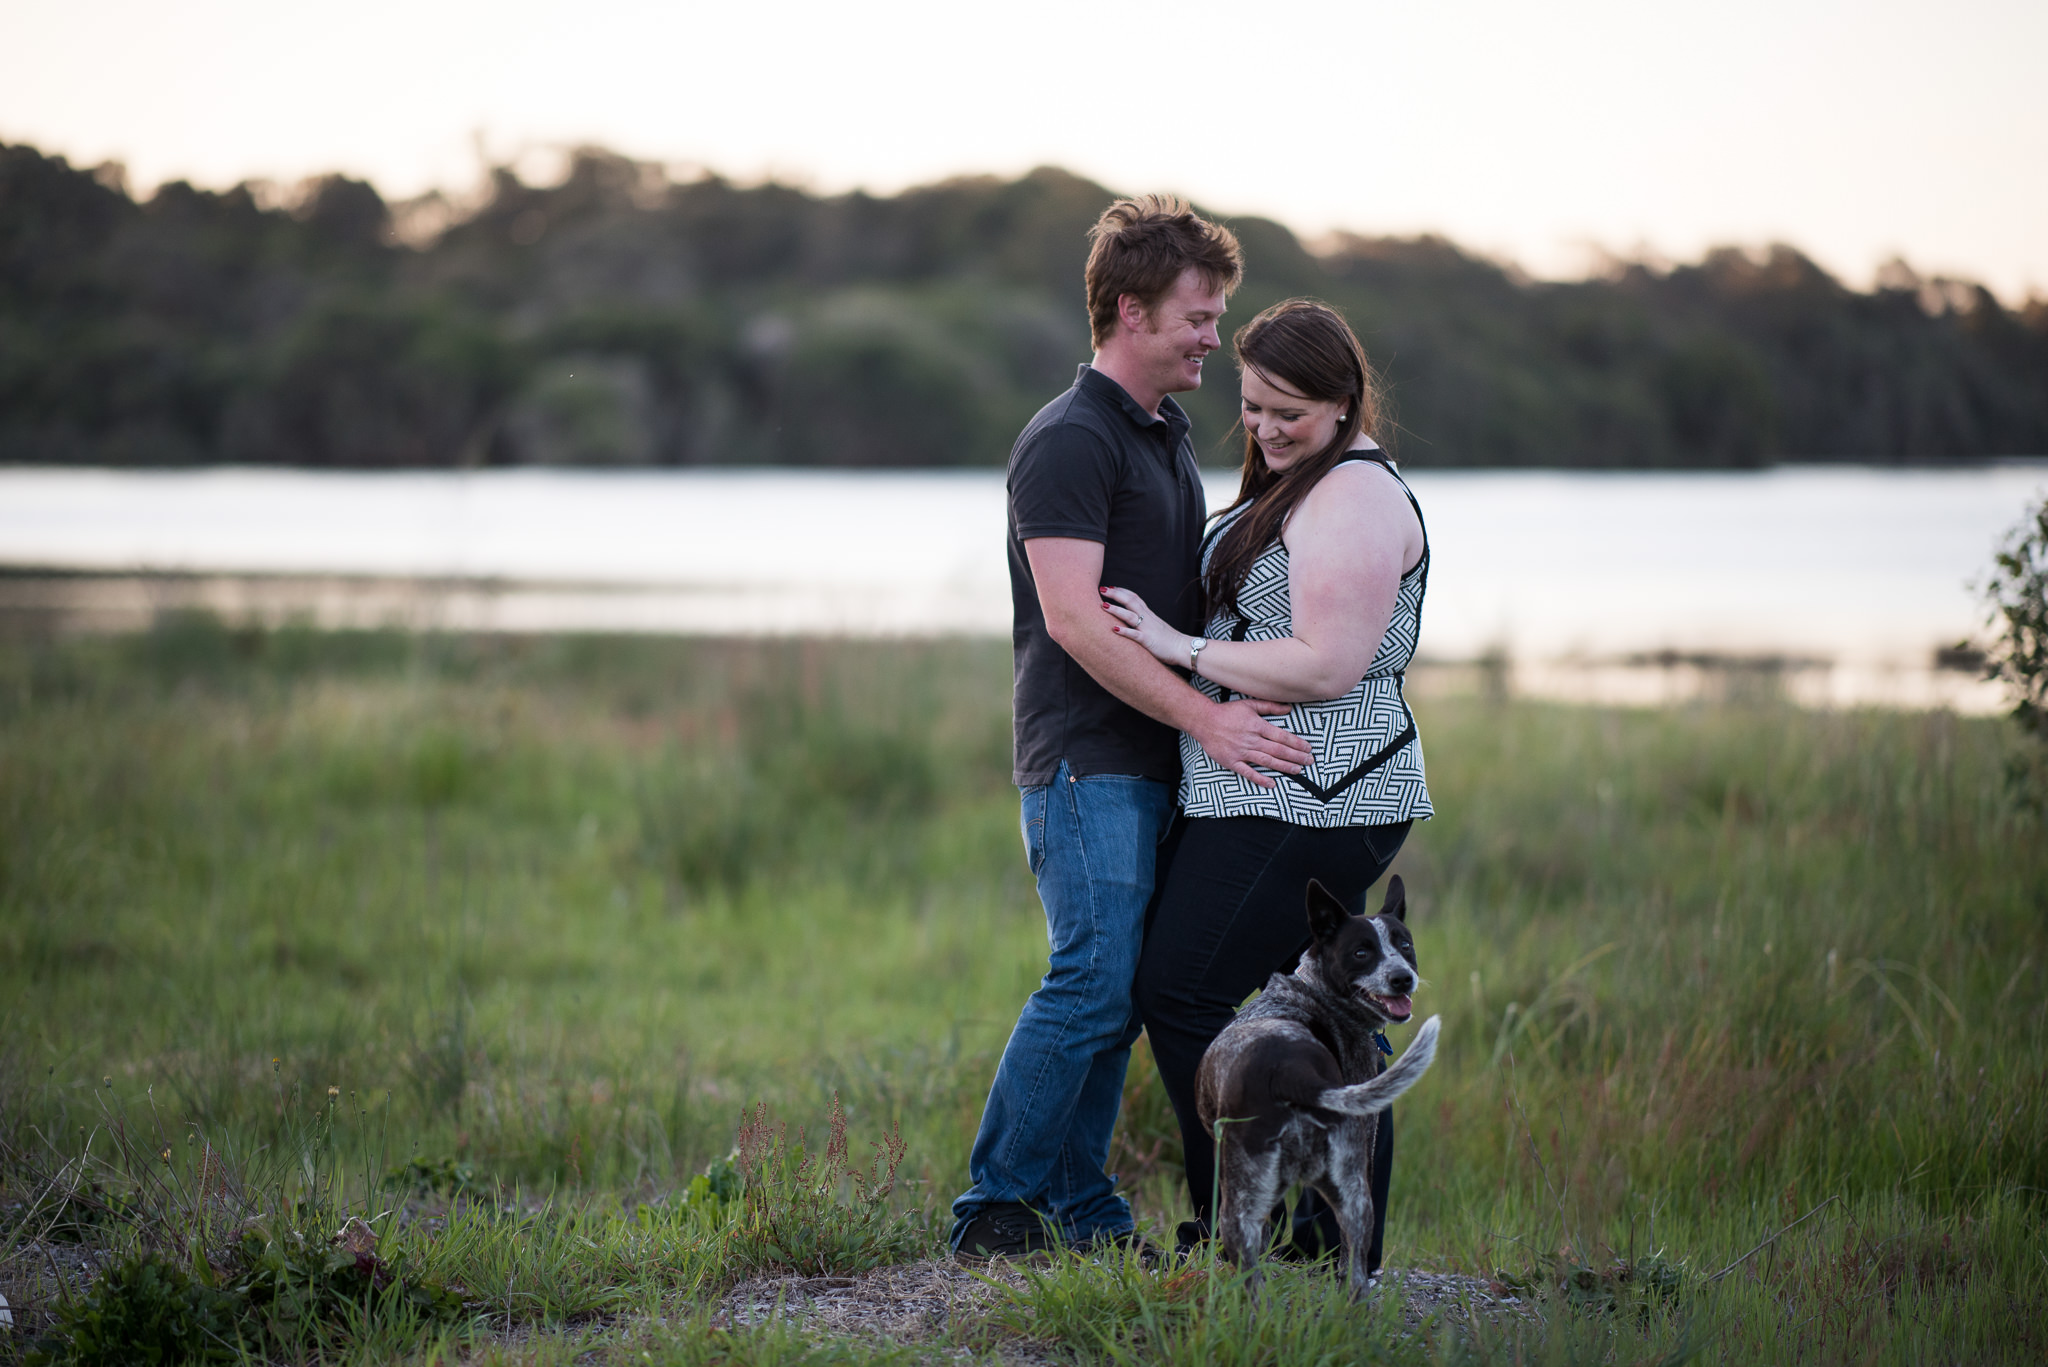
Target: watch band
1195,653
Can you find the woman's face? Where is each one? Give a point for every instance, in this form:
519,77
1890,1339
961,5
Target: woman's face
1287,426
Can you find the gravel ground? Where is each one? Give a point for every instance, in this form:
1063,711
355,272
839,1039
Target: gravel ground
918,1302
34,1274
905,1303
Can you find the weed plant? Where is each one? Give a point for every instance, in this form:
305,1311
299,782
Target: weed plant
815,1214
495,945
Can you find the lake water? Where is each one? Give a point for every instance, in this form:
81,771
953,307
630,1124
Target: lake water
1844,580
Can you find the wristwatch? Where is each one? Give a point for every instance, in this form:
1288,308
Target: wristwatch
1195,653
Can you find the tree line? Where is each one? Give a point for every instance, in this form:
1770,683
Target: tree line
626,318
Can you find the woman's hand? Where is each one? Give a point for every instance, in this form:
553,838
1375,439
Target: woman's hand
1144,626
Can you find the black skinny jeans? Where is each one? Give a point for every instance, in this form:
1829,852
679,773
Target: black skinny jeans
1227,913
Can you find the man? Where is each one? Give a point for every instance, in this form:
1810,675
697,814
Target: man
1104,490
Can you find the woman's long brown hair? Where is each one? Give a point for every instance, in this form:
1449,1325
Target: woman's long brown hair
1306,346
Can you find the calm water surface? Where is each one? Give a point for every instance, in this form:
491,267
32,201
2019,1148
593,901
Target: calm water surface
1866,570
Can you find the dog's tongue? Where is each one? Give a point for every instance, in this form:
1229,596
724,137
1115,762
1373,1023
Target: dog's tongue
1399,1008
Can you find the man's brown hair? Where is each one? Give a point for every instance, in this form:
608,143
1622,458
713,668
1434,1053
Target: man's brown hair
1141,245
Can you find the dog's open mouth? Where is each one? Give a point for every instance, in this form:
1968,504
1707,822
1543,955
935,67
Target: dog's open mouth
1393,1008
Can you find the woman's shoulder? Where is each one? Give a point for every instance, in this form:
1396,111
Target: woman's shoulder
1357,496
1360,481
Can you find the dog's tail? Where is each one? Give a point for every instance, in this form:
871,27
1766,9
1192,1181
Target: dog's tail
1366,1098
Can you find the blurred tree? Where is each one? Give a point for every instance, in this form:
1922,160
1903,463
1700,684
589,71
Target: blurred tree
624,317
348,213
870,377
383,384
1718,402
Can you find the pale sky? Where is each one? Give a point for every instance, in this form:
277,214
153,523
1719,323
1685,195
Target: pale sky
1855,131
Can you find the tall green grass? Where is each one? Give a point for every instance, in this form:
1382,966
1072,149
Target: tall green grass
555,911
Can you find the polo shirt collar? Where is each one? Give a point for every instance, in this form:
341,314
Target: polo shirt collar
1170,416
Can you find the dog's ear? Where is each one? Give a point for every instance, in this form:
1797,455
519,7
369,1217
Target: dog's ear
1325,913
1397,900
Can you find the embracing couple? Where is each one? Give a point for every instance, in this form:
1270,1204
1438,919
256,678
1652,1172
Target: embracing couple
1204,721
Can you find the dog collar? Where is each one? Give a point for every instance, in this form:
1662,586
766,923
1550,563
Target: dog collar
1379,1038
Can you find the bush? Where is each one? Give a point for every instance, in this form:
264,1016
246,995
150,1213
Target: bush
143,1309
271,1291
2018,594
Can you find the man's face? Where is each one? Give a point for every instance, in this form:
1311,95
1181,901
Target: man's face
1180,332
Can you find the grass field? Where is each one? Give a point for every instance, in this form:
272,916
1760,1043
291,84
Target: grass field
532,923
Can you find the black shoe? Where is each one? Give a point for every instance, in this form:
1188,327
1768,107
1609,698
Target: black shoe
1006,1229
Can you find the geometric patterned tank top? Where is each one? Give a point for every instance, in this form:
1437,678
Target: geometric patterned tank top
1368,759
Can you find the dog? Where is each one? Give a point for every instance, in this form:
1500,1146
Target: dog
1295,1077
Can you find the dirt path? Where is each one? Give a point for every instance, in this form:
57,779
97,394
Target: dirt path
919,1302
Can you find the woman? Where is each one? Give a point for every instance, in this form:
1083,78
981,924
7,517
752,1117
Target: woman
1314,580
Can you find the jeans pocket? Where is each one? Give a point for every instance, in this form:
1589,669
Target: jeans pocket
1384,842
1032,819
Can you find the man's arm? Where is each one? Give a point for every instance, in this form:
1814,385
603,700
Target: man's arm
1348,545
1068,573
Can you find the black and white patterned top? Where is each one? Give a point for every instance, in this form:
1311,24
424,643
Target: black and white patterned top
1368,758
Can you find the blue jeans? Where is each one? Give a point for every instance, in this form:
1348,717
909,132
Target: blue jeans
1093,845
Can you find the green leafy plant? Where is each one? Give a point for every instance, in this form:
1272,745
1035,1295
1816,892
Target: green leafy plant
712,1196
292,1285
144,1309
445,1176
277,1291
2017,593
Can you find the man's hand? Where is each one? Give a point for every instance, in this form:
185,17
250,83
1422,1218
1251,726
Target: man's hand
1237,736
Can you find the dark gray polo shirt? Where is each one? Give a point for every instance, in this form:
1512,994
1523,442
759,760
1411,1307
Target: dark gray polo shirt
1095,466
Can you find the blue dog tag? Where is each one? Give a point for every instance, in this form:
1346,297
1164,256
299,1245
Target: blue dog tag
1379,1037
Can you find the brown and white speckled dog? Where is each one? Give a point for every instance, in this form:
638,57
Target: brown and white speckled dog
1294,1075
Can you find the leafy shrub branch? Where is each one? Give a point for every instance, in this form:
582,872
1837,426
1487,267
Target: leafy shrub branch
2017,591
